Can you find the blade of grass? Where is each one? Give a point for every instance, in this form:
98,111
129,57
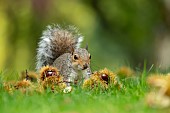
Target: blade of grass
143,78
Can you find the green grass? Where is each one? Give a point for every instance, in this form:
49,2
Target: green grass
131,100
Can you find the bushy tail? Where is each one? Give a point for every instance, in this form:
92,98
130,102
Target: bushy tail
55,41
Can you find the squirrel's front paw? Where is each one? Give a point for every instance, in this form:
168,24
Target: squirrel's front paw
67,89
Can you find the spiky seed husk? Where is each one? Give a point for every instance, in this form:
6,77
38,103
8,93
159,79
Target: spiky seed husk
97,80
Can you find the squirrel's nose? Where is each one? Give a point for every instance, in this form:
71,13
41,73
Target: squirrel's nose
85,66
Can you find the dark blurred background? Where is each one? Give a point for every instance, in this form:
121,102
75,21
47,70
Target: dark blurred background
118,32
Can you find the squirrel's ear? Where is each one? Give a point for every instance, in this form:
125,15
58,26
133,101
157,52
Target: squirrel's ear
86,46
72,50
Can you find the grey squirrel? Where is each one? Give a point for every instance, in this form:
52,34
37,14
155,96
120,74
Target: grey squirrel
60,47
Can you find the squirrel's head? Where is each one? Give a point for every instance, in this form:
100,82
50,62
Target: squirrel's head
81,58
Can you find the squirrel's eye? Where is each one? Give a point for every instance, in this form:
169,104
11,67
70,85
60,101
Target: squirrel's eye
75,57
90,57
